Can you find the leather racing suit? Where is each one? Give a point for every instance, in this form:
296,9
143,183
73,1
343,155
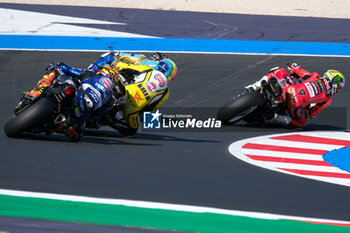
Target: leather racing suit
307,93
146,89
93,97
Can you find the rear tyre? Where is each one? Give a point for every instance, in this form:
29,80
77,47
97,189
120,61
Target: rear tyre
240,107
30,117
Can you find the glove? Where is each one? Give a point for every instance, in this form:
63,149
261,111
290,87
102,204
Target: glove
63,68
61,65
157,56
105,59
58,64
93,68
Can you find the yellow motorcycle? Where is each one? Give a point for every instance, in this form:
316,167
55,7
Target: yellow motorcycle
145,90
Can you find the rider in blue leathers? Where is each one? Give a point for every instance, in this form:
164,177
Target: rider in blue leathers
94,96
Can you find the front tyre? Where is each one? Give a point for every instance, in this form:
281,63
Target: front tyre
240,107
30,117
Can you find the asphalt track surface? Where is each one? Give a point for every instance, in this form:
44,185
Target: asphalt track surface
175,167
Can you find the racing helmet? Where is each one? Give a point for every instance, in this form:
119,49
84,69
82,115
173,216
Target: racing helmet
277,88
110,72
337,79
168,68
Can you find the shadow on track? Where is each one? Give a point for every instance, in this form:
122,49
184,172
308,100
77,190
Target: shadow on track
143,136
106,137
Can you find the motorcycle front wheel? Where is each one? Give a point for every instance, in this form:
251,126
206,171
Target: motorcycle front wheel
30,117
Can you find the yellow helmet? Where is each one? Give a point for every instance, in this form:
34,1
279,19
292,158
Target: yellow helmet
337,79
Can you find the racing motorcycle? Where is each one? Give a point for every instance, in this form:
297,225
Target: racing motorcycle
46,113
56,106
253,106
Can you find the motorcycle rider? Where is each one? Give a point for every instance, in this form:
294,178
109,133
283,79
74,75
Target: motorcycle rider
148,86
305,93
93,96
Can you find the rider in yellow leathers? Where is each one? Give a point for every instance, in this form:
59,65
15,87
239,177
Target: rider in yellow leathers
146,87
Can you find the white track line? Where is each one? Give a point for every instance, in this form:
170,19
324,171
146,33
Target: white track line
166,206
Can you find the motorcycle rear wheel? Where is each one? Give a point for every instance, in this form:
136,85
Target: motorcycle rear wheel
30,117
240,107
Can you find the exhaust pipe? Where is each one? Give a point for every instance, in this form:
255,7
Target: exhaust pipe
59,119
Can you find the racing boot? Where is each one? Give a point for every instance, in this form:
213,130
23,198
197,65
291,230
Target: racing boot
43,84
71,131
27,99
30,97
75,129
279,120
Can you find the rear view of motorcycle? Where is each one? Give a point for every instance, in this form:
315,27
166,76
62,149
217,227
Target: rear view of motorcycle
44,114
253,106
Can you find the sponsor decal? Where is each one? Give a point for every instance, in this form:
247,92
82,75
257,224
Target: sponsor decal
310,89
320,86
328,84
300,154
100,86
107,82
151,87
314,86
93,92
160,79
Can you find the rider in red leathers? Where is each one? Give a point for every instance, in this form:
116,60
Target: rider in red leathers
305,93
